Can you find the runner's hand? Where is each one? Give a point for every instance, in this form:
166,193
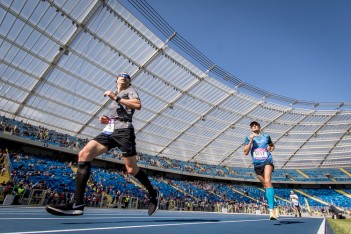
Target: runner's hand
104,119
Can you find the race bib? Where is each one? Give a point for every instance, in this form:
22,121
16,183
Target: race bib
110,127
295,202
260,154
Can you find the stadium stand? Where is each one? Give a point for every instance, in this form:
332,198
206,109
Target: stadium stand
108,187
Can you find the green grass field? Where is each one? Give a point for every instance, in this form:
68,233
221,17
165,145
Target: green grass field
340,226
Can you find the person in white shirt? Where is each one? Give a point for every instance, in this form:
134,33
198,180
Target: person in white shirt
294,199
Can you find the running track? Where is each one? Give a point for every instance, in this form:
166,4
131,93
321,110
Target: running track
100,220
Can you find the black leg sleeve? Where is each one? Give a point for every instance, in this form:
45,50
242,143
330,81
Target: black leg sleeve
83,175
142,177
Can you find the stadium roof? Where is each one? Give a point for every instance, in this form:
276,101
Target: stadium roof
58,57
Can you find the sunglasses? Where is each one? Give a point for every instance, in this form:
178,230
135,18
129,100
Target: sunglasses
124,75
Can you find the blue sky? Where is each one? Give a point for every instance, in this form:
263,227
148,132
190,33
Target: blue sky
294,48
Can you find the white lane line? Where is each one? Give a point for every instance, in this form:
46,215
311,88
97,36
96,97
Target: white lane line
141,226
112,217
90,214
321,229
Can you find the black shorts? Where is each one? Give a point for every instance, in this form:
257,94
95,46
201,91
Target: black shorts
124,139
260,170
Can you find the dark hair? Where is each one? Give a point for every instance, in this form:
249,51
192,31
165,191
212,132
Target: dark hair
254,122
